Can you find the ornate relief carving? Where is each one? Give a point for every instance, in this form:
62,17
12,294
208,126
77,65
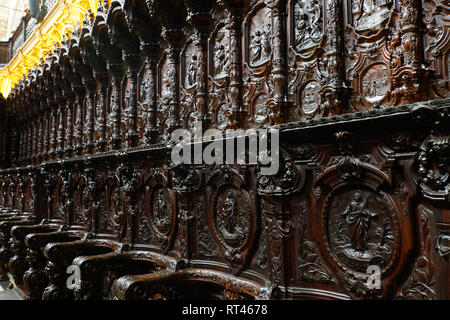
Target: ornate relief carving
420,285
231,216
362,229
375,84
443,245
308,26
206,244
368,15
310,264
310,98
433,169
219,99
161,210
260,37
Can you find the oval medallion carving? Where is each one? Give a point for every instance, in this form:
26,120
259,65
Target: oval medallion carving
310,98
362,229
161,213
375,83
232,218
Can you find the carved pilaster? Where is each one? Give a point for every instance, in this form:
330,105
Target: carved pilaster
235,89
60,132
46,142
89,125
334,93
279,60
115,114
78,130
131,108
101,116
68,146
173,37
409,77
53,131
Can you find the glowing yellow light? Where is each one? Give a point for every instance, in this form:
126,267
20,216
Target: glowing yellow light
60,20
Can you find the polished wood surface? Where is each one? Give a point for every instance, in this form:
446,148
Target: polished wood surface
358,91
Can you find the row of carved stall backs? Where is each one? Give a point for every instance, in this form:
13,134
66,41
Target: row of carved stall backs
139,69
334,209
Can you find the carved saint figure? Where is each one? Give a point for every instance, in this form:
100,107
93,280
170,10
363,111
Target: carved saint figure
357,216
219,59
114,106
160,207
228,213
301,20
266,42
145,90
260,46
192,71
255,48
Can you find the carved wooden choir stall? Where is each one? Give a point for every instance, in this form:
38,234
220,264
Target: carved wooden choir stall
358,90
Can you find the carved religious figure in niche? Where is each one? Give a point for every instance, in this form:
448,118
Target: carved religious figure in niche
308,29
260,47
168,73
229,213
161,211
219,60
232,217
116,205
145,91
191,78
369,13
358,216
